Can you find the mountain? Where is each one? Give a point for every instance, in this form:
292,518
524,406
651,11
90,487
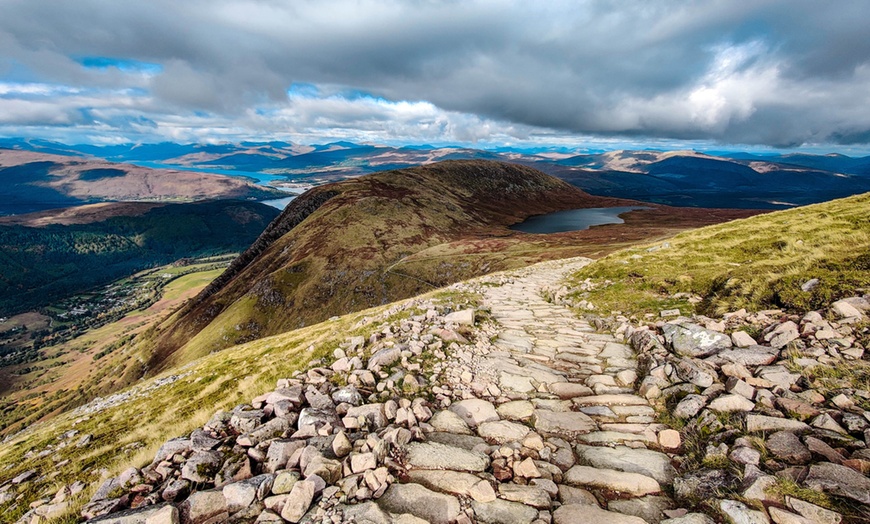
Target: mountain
332,249
53,254
32,181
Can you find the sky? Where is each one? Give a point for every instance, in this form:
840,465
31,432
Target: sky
790,74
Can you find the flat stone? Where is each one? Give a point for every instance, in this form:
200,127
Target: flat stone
839,480
747,356
464,317
690,518
781,516
436,508
450,422
528,495
502,431
284,482
731,403
569,390
816,514
611,400
691,340
650,508
503,512
566,424
516,410
646,462
756,423
454,482
670,439
631,483
742,339
433,455
474,411
783,334
240,495
581,513
737,513
160,514
787,447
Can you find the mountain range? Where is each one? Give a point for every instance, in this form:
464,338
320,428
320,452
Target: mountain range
681,178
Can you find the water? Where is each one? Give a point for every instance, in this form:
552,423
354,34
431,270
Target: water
280,203
572,220
261,178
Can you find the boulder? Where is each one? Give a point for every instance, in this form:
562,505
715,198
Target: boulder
436,508
691,340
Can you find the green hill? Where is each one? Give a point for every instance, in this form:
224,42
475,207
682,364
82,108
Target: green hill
755,263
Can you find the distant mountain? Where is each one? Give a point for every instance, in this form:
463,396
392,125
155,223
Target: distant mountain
53,254
683,178
31,181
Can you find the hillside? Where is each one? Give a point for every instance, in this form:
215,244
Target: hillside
51,255
349,234
31,182
401,405
797,259
375,239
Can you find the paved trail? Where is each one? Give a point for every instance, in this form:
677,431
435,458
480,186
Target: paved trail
581,385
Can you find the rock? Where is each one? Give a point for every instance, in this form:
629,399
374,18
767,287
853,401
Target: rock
577,513
503,512
160,514
633,484
760,489
384,358
280,452
731,403
796,408
516,410
787,447
650,508
474,411
739,387
360,462
782,335
284,482
781,516
737,513
449,422
204,507
742,339
670,439
819,447
240,495
815,514
464,317
172,447
845,310
572,495
374,415
646,462
756,423
502,431
691,340
201,466
341,446
455,482
839,480
298,501
689,406
436,508
745,455
569,390
567,424
527,495
748,356
433,455
703,484
526,469
690,518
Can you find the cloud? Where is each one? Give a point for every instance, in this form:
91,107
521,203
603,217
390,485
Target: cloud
769,72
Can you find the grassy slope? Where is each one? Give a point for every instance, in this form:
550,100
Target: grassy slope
130,433
756,263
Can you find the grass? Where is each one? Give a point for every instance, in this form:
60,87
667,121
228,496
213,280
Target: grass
130,433
754,263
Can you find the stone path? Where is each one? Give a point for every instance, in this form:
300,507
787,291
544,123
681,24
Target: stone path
580,385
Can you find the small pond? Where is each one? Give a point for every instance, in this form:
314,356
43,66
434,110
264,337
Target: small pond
572,220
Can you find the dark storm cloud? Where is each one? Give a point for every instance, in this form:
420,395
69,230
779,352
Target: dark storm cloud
765,72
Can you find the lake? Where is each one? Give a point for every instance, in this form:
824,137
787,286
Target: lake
572,220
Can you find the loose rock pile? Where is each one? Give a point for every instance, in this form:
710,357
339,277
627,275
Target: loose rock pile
519,412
